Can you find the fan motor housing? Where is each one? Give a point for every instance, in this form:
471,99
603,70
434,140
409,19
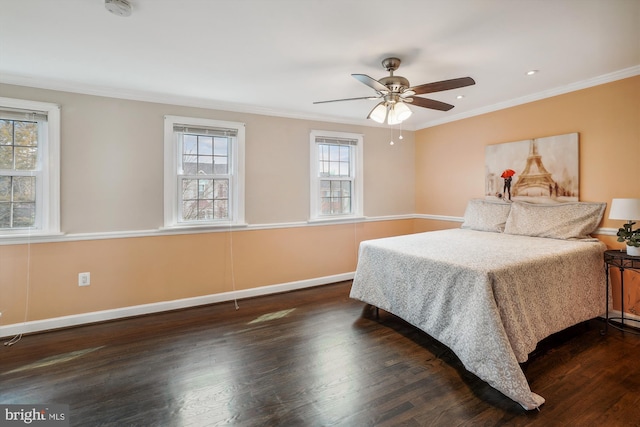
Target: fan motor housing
394,83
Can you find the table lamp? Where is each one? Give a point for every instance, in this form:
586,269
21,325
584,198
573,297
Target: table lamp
629,210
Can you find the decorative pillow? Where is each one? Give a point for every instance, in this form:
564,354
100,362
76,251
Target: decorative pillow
485,215
568,221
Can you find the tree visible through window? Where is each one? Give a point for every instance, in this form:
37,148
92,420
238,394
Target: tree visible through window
204,181
18,163
335,178
29,168
336,174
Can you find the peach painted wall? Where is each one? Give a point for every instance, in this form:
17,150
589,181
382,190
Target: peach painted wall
39,281
450,157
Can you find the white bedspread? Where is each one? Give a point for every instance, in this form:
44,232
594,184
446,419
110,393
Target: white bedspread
489,297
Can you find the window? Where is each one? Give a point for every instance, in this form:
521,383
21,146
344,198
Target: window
336,175
204,179
29,168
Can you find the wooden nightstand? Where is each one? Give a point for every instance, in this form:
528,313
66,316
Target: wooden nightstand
619,259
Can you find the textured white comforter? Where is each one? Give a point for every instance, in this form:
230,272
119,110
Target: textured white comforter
489,297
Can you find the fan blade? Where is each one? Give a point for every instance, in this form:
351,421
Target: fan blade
371,82
443,85
347,99
430,103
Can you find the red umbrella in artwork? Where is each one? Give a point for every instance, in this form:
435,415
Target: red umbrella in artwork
507,173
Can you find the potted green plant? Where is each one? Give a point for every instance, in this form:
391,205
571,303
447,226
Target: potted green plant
631,237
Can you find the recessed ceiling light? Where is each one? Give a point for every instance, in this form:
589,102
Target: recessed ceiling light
118,7
532,72
459,96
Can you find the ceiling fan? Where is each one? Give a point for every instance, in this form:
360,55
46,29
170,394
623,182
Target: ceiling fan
395,92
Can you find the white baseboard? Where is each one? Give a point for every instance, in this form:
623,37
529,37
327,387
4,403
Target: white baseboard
627,316
137,310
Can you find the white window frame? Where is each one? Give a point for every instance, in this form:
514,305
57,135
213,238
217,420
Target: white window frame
47,172
357,168
172,161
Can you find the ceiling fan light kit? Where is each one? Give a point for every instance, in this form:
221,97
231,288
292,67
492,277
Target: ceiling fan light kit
395,113
396,92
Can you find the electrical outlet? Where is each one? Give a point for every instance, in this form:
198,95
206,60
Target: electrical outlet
84,279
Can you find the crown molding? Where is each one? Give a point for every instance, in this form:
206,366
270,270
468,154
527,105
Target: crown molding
572,87
170,99
133,95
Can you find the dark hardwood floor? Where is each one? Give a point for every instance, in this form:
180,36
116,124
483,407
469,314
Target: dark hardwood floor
312,357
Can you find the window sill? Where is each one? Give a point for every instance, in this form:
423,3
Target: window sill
202,227
24,238
337,220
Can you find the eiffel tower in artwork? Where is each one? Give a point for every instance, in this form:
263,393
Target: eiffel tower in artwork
535,180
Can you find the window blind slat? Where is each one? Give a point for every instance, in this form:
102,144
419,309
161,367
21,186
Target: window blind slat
336,141
205,130
22,115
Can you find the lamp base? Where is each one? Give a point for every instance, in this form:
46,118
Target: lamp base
633,250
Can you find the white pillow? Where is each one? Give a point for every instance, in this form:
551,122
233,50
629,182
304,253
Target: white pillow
485,215
568,221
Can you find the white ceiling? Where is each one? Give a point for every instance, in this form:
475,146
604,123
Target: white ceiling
278,56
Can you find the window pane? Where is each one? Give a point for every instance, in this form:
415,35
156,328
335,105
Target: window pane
24,214
205,165
344,168
190,144
221,209
190,210
323,152
346,188
334,153
345,151
205,189
221,147
189,189
346,205
325,205
190,165
5,188
205,209
6,132
26,158
323,168
205,145
221,189
335,189
26,133
6,157
221,165
5,215
325,188
24,189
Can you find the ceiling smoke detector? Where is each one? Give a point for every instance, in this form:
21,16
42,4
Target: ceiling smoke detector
118,7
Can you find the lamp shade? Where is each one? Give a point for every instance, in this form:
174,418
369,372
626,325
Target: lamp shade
403,112
625,209
398,113
393,118
379,113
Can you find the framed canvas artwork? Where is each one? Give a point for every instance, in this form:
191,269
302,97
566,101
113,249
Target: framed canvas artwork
541,170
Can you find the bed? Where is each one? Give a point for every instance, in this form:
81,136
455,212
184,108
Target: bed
513,274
